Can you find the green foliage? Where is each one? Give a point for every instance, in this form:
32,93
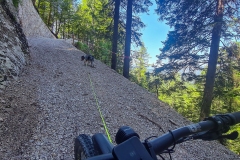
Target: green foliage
233,145
184,97
101,50
227,87
16,3
139,69
227,82
83,47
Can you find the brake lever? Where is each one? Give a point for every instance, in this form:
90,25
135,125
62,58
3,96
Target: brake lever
231,136
209,136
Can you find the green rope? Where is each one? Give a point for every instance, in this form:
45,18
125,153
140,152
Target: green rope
99,110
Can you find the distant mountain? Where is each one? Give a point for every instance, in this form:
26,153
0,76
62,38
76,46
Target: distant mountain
150,69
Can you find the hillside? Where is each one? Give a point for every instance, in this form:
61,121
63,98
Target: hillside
52,102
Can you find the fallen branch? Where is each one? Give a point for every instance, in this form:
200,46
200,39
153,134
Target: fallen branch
173,122
152,122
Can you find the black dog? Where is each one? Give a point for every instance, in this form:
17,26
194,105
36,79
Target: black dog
88,59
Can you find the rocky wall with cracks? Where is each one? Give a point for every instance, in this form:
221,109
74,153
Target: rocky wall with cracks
13,44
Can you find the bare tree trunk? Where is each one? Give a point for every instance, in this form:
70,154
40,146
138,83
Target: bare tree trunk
49,16
115,35
212,63
64,28
73,37
128,40
157,89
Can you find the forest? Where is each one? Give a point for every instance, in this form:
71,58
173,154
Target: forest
198,68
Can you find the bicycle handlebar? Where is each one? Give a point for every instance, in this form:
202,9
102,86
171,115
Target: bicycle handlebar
211,124
235,116
214,123
162,143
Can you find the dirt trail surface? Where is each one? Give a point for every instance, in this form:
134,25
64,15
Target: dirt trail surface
52,103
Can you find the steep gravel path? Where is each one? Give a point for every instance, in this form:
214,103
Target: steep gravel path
52,103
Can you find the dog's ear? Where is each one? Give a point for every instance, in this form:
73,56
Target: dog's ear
82,58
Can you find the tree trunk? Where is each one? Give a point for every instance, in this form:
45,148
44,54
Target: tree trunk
73,37
49,16
38,3
56,26
64,28
128,40
212,63
59,24
157,89
115,34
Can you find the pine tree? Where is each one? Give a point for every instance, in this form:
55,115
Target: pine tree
132,27
198,26
140,64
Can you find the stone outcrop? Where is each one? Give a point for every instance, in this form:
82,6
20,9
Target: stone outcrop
15,24
13,44
31,22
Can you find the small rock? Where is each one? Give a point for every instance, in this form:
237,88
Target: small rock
54,154
1,119
8,106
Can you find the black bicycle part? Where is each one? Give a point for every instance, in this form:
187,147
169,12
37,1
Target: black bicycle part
125,133
101,144
213,124
131,149
216,124
83,147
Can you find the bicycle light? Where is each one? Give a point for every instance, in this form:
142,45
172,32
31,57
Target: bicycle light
125,133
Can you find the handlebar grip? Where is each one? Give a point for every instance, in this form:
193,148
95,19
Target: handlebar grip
235,117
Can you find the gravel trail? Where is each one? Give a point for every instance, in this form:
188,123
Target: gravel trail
52,103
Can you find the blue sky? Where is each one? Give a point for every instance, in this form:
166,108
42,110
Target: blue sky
154,32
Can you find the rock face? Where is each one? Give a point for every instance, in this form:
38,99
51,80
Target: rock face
15,24
13,44
32,24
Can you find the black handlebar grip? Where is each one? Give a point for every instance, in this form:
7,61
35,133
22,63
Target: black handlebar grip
235,117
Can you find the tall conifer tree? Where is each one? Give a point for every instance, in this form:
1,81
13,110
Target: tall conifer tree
198,27
115,34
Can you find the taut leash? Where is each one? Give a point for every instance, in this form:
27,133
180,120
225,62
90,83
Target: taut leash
99,110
